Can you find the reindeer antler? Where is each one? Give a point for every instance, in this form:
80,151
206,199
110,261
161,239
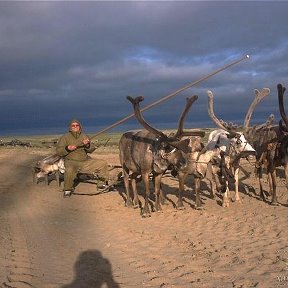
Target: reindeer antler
139,117
181,145
281,91
259,96
230,127
189,102
180,133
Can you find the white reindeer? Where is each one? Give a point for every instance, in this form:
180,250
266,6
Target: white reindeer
233,144
48,165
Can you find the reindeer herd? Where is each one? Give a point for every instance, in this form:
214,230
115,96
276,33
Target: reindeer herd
149,153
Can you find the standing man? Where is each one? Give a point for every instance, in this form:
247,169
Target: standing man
74,147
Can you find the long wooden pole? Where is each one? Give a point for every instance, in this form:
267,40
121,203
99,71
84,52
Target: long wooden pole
171,95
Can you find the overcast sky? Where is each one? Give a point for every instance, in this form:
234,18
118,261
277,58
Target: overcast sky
73,59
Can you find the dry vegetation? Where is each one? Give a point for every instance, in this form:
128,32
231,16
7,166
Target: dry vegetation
105,142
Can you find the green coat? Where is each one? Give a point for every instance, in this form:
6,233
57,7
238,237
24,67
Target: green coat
80,154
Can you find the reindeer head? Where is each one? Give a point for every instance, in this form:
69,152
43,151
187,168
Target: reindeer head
227,138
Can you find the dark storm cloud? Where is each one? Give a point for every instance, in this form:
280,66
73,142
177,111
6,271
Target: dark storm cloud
60,60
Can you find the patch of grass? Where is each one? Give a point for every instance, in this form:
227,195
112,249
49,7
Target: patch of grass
106,142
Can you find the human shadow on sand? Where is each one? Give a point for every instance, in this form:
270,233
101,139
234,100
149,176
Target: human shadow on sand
92,270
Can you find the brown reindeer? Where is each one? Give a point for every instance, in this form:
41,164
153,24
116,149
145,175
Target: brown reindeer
283,130
151,151
266,140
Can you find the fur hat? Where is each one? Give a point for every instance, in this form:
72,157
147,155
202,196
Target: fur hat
75,121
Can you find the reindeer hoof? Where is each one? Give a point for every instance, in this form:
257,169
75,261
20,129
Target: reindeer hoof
146,215
262,197
145,212
275,203
225,204
199,208
164,202
158,209
129,204
198,205
179,205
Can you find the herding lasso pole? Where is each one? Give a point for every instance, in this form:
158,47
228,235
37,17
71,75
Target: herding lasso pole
171,95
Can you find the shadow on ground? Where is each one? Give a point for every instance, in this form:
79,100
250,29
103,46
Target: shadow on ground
92,270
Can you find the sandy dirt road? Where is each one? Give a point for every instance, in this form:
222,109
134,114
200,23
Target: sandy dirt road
94,241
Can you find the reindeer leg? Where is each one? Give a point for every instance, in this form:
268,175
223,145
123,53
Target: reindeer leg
127,188
157,186
197,182
270,181
226,201
210,176
213,187
236,177
146,210
260,174
134,189
219,186
182,177
286,174
162,197
274,192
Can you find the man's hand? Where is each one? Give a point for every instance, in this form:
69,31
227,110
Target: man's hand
72,147
86,142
